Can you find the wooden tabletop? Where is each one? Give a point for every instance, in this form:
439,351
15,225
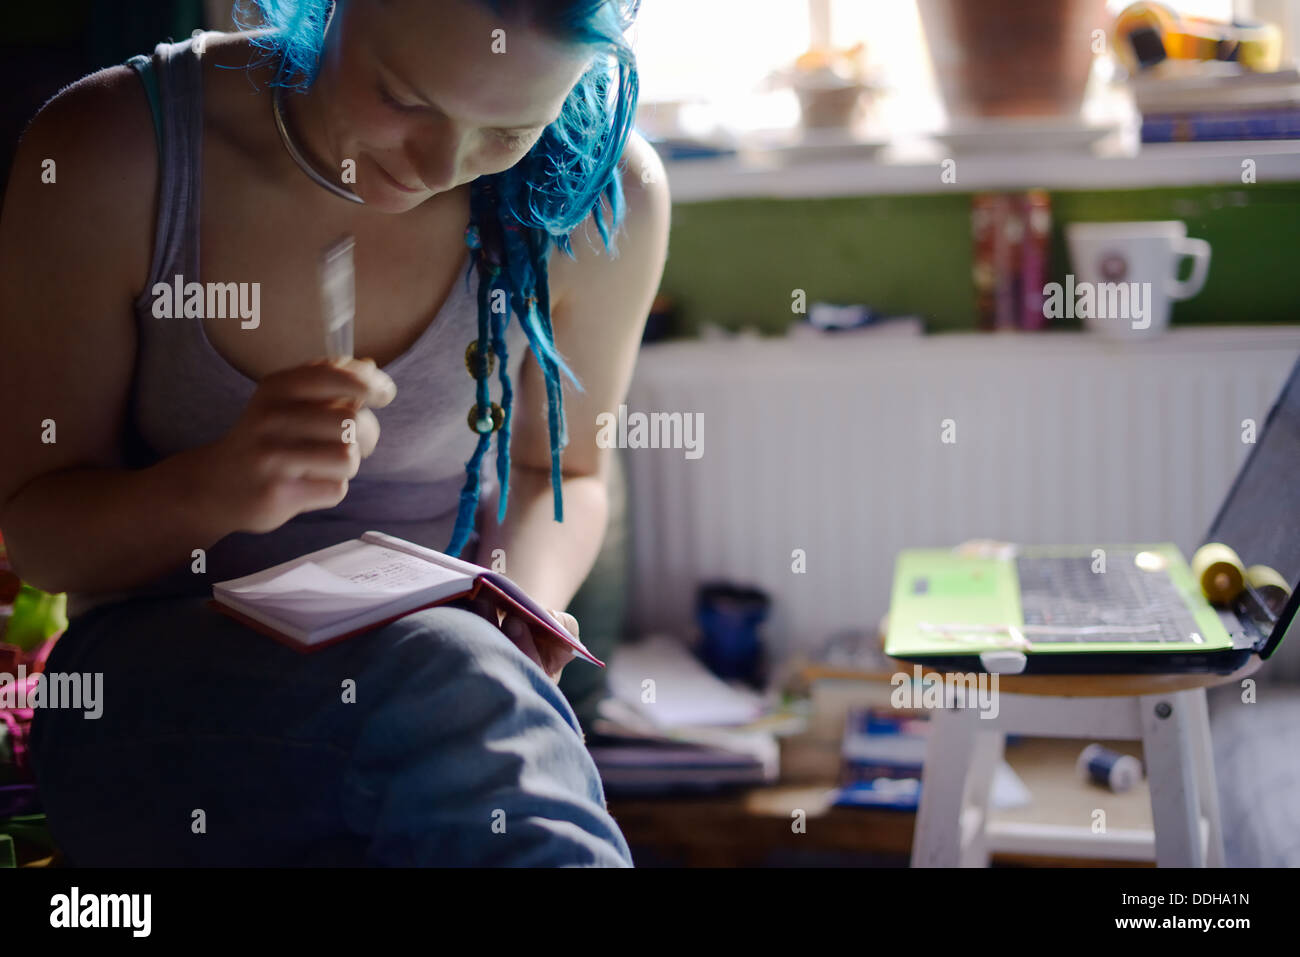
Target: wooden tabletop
1106,685
1062,686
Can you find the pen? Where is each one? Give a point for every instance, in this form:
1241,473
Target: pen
338,294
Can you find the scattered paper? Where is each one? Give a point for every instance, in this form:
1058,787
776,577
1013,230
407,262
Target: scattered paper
684,692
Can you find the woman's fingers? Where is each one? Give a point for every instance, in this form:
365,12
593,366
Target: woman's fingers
550,654
568,621
547,652
522,637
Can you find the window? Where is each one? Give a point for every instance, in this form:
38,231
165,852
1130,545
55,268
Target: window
703,62
713,55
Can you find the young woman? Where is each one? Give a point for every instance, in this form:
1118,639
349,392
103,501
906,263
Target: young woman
148,456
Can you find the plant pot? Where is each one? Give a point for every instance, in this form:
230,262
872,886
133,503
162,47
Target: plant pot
830,107
1000,58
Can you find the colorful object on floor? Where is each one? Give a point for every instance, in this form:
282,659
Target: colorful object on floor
35,618
16,722
1109,769
30,622
23,836
28,616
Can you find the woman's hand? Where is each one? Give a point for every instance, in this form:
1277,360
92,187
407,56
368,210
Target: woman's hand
547,652
297,444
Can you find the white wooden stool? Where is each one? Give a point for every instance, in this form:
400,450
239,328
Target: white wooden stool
1167,713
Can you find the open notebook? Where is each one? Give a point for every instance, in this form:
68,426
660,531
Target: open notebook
354,586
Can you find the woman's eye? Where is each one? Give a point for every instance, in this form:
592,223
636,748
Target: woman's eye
391,100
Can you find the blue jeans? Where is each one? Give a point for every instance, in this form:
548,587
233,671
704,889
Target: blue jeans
429,741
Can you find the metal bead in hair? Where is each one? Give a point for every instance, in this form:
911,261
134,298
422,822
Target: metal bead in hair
512,258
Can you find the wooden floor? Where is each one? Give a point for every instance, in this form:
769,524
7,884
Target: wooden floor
754,827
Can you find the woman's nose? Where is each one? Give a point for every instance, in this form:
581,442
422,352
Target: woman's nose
435,154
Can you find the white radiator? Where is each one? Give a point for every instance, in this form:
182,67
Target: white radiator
834,446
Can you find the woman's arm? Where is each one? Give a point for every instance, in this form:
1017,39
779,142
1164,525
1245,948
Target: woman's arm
73,253
598,315
75,241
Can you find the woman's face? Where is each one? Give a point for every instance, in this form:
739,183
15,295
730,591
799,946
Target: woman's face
427,95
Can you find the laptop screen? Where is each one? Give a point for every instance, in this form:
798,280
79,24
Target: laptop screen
1260,518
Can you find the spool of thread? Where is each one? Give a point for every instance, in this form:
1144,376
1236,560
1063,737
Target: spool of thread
1219,571
1272,589
1109,769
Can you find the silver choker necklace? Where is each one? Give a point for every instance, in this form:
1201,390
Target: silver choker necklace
298,158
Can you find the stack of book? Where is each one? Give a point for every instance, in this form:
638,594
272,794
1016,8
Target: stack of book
655,761
1216,105
670,725
881,758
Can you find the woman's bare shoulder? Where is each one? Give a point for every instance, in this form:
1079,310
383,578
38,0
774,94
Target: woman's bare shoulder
101,124
88,161
648,203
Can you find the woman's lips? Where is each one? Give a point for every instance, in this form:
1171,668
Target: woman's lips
396,184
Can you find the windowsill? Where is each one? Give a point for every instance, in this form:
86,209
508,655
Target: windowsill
1156,165
745,353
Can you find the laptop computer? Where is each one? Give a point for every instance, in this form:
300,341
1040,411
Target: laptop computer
1101,609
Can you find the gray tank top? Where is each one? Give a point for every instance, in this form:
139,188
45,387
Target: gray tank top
185,394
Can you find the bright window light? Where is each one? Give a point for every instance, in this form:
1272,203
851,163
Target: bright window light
703,62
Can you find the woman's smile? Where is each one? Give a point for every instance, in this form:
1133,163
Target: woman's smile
397,184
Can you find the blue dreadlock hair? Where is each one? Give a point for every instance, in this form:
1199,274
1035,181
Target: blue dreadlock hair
516,216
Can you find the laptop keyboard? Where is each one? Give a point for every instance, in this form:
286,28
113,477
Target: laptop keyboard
1122,604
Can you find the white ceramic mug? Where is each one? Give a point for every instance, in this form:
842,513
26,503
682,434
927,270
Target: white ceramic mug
1131,275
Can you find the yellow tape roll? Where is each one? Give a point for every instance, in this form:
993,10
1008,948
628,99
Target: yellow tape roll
1260,47
1219,571
1271,586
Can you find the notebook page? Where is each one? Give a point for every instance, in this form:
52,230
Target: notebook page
339,582
469,569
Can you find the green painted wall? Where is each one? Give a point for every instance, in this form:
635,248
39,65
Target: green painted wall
735,262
